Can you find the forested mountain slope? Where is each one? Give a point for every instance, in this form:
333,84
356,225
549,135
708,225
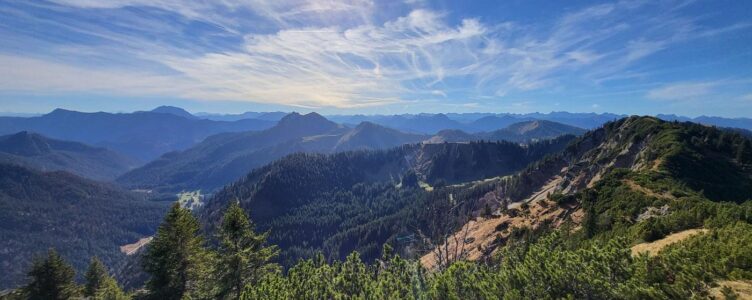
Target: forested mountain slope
223,158
142,135
639,177
614,214
520,132
78,217
39,152
359,200
532,130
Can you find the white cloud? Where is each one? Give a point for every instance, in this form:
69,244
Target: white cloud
28,74
282,12
746,97
360,66
314,59
682,91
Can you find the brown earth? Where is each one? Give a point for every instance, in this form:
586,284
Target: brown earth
131,249
654,247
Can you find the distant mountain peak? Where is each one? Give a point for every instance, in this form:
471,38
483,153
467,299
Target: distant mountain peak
60,111
309,119
173,110
366,125
25,143
528,126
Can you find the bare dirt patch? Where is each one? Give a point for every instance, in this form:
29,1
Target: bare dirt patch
743,288
131,249
654,247
482,236
638,188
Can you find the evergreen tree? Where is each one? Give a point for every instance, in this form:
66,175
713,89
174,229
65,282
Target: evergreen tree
353,279
176,259
95,277
52,278
110,290
591,216
100,285
244,258
744,151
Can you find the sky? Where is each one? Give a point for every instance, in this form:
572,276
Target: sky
378,57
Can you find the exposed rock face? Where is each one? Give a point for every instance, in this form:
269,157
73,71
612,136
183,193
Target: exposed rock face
521,200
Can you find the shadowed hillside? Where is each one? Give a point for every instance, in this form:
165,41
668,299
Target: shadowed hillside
45,154
78,217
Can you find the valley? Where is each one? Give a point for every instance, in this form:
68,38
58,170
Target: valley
368,150
316,188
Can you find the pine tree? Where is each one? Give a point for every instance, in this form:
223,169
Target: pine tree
591,216
744,151
353,279
100,285
110,290
176,259
244,258
52,278
95,277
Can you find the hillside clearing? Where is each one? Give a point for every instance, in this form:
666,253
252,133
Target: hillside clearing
653,248
742,288
131,249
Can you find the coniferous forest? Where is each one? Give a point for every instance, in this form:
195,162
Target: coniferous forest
369,150
651,225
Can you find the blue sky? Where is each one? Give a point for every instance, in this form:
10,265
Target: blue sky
634,57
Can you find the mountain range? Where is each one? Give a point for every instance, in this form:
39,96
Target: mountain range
343,202
223,158
146,135
613,180
318,186
140,135
357,201
521,132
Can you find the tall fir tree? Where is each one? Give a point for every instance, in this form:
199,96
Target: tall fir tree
243,254
52,278
176,259
100,285
95,277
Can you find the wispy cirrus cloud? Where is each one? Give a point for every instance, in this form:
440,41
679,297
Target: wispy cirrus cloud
361,66
335,53
682,91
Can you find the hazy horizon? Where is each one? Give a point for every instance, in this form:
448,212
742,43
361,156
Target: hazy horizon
303,111
365,57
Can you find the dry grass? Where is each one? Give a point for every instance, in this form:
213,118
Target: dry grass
482,235
638,188
742,288
131,249
654,247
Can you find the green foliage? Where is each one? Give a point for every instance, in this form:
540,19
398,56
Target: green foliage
100,285
110,290
95,277
243,255
51,278
332,203
464,280
346,202
176,259
77,217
